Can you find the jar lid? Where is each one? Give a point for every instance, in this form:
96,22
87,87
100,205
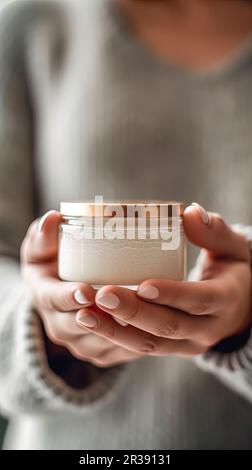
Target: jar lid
122,209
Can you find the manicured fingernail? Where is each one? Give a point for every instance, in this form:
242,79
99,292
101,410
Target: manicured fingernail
81,298
87,320
43,220
121,322
148,292
202,212
108,300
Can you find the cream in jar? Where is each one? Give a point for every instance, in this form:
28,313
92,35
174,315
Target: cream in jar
121,244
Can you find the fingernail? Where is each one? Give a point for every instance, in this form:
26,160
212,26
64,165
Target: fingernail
81,298
87,320
120,322
202,212
43,220
148,292
108,300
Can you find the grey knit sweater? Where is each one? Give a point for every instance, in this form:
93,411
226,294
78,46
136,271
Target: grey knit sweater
85,109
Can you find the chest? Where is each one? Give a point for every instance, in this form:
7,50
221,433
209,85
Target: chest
112,125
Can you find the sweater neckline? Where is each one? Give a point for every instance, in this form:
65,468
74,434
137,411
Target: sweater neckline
223,69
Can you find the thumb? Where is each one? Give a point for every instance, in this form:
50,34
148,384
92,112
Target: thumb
209,231
41,241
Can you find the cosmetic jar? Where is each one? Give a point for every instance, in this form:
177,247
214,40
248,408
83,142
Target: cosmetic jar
121,244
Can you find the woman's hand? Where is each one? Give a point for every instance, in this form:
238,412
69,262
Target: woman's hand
173,317
58,302
163,317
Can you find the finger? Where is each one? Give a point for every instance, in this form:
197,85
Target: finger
196,298
41,241
108,357
54,295
132,338
209,231
156,319
62,326
116,356
90,347
96,345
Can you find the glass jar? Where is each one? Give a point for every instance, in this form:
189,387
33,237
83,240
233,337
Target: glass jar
121,244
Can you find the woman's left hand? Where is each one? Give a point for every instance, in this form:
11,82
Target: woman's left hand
182,317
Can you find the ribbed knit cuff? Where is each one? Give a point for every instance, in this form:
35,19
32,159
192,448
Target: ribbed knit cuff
27,384
54,387
235,367
237,360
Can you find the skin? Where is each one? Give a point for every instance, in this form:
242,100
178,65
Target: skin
185,318
194,34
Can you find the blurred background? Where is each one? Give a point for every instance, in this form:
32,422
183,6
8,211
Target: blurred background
3,422
3,425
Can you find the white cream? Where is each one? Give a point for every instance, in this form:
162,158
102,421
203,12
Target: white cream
119,261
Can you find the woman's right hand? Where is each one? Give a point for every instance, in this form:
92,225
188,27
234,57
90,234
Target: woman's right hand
57,302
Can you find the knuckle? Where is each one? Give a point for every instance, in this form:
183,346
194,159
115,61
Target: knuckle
97,355
76,352
53,334
199,307
204,304
101,362
168,329
148,347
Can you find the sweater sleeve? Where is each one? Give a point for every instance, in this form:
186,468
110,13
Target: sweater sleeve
230,361
27,384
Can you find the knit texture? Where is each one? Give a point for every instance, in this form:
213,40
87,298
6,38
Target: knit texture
86,110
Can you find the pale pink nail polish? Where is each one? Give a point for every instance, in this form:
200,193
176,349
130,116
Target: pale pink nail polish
148,292
120,322
202,212
81,298
108,300
43,220
87,320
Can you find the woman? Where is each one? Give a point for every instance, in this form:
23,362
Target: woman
127,99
